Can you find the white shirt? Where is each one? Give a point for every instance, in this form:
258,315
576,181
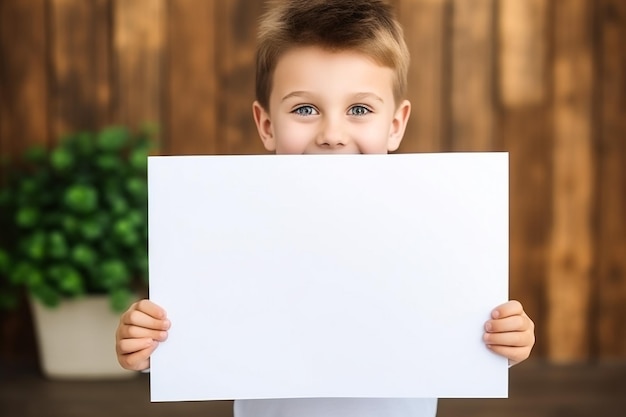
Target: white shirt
337,407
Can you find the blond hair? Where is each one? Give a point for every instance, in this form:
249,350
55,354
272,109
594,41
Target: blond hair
365,26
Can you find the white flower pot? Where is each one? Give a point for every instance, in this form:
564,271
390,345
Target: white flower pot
77,339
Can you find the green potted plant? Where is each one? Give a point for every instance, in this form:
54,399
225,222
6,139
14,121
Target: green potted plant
74,228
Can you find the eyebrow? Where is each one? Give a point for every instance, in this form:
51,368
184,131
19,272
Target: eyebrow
296,94
361,96
357,96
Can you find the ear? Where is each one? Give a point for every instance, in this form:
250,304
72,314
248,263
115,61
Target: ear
398,125
264,126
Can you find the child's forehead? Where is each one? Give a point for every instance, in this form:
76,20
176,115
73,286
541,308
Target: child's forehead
306,64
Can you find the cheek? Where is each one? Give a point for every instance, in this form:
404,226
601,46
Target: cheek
291,138
373,138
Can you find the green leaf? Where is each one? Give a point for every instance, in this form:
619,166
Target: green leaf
95,226
57,246
62,159
34,246
46,294
67,279
136,219
91,230
113,139
70,224
81,198
114,274
83,255
138,159
118,204
26,274
109,162
124,232
137,188
27,217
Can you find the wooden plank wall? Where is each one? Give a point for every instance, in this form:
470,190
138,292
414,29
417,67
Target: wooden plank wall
543,80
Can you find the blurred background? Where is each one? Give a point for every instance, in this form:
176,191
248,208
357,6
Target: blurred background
543,80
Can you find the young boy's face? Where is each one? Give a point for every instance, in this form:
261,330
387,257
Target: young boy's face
331,102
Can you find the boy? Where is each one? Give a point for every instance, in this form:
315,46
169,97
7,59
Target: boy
331,78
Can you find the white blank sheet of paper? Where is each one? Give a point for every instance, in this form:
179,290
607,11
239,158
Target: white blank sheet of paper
328,275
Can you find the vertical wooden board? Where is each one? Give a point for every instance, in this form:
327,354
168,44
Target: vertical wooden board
81,65
425,31
191,113
237,29
472,84
526,136
138,43
523,124
23,122
571,253
521,52
23,75
611,182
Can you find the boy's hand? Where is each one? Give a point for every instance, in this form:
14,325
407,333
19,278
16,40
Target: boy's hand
141,328
510,332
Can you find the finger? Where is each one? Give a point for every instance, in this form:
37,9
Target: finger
151,309
141,319
128,346
511,339
517,323
507,309
137,361
513,354
137,332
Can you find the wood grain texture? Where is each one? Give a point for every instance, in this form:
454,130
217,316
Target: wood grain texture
425,25
80,59
24,116
138,49
192,78
472,59
236,35
525,131
23,75
522,51
611,183
571,252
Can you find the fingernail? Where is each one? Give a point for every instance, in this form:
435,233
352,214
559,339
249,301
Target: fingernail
167,324
488,327
495,314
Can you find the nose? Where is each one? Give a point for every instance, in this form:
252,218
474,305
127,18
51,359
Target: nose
332,135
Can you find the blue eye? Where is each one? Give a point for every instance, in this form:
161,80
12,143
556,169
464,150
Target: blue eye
358,111
305,111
